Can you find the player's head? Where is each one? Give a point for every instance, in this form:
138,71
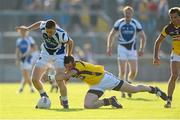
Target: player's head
50,27
69,62
128,12
23,33
174,14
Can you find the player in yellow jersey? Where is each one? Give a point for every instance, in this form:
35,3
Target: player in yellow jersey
173,30
100,80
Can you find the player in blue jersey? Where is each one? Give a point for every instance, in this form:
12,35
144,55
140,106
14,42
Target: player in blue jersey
55,46
24,48
126,30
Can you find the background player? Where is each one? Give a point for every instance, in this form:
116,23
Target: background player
24,48
56,40
173,30
126,29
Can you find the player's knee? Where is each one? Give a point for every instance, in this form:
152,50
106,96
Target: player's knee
34,80
59,77
121,73
133,74
174,77
135,89
89,105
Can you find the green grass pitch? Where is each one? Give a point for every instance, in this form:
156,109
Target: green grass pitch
140,106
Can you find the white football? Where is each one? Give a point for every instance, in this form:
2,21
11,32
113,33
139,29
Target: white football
44,103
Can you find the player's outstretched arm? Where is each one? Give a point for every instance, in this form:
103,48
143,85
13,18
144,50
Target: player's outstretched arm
157,45
34,26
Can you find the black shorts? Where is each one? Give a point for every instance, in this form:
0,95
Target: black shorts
96,92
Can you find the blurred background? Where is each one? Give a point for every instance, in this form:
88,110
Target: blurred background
88,23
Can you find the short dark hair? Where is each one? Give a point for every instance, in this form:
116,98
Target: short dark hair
174,10
50,24
68,59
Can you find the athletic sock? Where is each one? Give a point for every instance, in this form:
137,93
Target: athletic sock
153,90
106,102
44,94
169,98
64,101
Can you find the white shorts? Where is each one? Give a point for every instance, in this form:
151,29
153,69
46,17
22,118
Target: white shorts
45,59
35,56
26,64
108,82
175,57
125,54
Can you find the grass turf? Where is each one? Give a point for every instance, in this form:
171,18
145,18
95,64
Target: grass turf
140,106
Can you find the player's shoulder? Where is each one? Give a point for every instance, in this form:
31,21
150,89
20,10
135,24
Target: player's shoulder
80,63
135,21
120,20
18,40
168,26
30,39
59,29
62,34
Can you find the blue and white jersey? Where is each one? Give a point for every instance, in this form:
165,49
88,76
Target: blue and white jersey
127,31
57,40
24,45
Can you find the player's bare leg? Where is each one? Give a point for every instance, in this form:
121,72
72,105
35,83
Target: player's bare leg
62,86
36,79
122,65
172,82
27,79
92,101
22,85
126,87
133,69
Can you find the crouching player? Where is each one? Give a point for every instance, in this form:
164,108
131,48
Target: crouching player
101,80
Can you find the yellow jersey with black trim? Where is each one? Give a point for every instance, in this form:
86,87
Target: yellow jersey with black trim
174,32
89,73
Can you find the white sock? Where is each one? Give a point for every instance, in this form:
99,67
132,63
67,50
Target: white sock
41,91
63,98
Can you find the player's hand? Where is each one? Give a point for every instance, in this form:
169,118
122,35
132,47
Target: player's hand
109,51
156,61
66,76
141,52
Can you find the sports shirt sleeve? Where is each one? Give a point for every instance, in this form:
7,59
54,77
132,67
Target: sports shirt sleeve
138,26
164,31
42,26
116,25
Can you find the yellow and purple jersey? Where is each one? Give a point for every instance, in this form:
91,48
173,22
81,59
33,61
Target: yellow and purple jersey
174,32
89,73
